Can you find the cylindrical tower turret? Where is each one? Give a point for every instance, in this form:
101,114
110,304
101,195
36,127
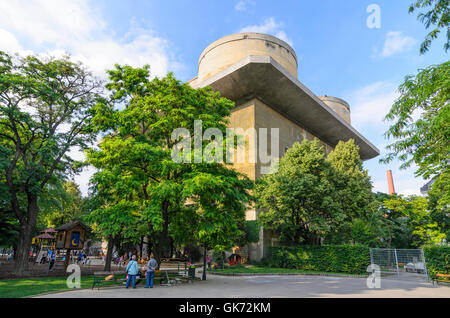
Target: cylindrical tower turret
232,48
340,106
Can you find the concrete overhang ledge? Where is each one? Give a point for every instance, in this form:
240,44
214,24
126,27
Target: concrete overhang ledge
262,77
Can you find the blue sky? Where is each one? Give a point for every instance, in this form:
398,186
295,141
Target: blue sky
339,55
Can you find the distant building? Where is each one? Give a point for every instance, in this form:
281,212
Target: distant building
426,187
259,73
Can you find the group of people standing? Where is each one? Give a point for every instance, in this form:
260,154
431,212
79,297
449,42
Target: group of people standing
132,270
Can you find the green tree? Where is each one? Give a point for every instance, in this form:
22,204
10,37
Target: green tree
300,199
420,123
64,206
44,111
414,211
139,144
353,188
114,213
438,17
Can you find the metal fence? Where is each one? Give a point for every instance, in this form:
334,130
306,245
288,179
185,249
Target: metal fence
400,263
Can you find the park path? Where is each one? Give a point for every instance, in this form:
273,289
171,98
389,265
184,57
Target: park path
269,286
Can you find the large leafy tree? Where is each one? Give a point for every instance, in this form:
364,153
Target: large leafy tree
353,186
438,17
62,204
114,214
9,226
414,211
139,119
44,111
420,123
300,200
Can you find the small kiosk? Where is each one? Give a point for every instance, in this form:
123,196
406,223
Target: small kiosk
71,236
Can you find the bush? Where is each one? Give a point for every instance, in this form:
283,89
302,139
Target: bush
352,259
252,231
437,260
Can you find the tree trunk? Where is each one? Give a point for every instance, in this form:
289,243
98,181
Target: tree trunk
25,236
204,263
171,248
67,260
23,250
109,254
141,247
149,245
163,240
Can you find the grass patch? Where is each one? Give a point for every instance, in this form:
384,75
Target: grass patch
22,287
251,269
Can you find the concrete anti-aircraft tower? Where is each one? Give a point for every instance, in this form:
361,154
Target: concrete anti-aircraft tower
259,73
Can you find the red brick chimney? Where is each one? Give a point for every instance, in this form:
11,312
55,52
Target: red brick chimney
391,189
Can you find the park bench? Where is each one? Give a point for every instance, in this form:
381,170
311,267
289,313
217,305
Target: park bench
101,277
161,277
445,278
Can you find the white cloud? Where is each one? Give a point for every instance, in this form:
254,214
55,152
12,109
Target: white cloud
269,26
371,103
8,42
396,43
54,27
78,27
243,5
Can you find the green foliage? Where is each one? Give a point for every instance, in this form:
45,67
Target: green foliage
423,141
412,212
61,204
438,16
352,259
184,203
252,230
363,233
45,110
112,214
313,196
219,258
354,191
437,259
439,194
299,200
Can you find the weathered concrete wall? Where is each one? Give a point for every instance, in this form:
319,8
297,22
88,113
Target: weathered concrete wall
243,116
340,106
256,114
259,67
232,48
289,132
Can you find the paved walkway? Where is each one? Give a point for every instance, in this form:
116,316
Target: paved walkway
270,286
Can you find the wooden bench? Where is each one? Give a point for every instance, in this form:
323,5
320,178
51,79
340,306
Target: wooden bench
163,276
445,278
101,277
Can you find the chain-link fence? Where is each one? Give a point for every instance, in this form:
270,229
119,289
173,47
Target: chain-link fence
400,263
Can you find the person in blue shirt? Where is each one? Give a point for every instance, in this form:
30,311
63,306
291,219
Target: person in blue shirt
49,254
132,270
152,265
52,261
